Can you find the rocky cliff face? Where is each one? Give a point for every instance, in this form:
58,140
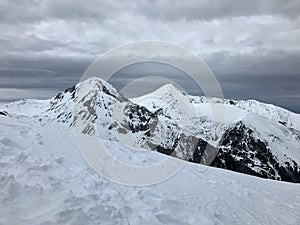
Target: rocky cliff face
241,152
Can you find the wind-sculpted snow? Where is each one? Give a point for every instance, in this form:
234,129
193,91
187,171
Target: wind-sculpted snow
44,180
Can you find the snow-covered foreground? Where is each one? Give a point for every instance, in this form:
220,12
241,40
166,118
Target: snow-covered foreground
44,180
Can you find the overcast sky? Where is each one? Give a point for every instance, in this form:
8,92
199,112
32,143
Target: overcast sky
252,46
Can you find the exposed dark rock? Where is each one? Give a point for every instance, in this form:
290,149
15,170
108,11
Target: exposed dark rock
231,102
3,113
59,96
166,151
198,152
282,122
105,90
71,90
241,152
139,117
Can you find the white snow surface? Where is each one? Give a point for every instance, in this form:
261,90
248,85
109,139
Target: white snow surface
45,180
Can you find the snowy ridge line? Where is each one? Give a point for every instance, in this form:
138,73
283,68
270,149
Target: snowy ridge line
257,139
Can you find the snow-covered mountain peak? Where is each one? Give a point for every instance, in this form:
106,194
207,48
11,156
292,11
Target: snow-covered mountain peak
164,92
95,84
163,121
90,99
170,88
172,101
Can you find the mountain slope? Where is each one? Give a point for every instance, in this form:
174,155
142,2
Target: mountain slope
44,180
256,138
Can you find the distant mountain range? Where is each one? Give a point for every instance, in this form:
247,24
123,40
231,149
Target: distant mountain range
256,138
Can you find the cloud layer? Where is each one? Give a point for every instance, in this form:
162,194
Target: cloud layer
252,46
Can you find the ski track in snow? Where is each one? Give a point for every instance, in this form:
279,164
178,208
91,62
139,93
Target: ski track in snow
44,180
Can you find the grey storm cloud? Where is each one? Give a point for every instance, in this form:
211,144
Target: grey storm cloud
252,46
212,9
33,10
